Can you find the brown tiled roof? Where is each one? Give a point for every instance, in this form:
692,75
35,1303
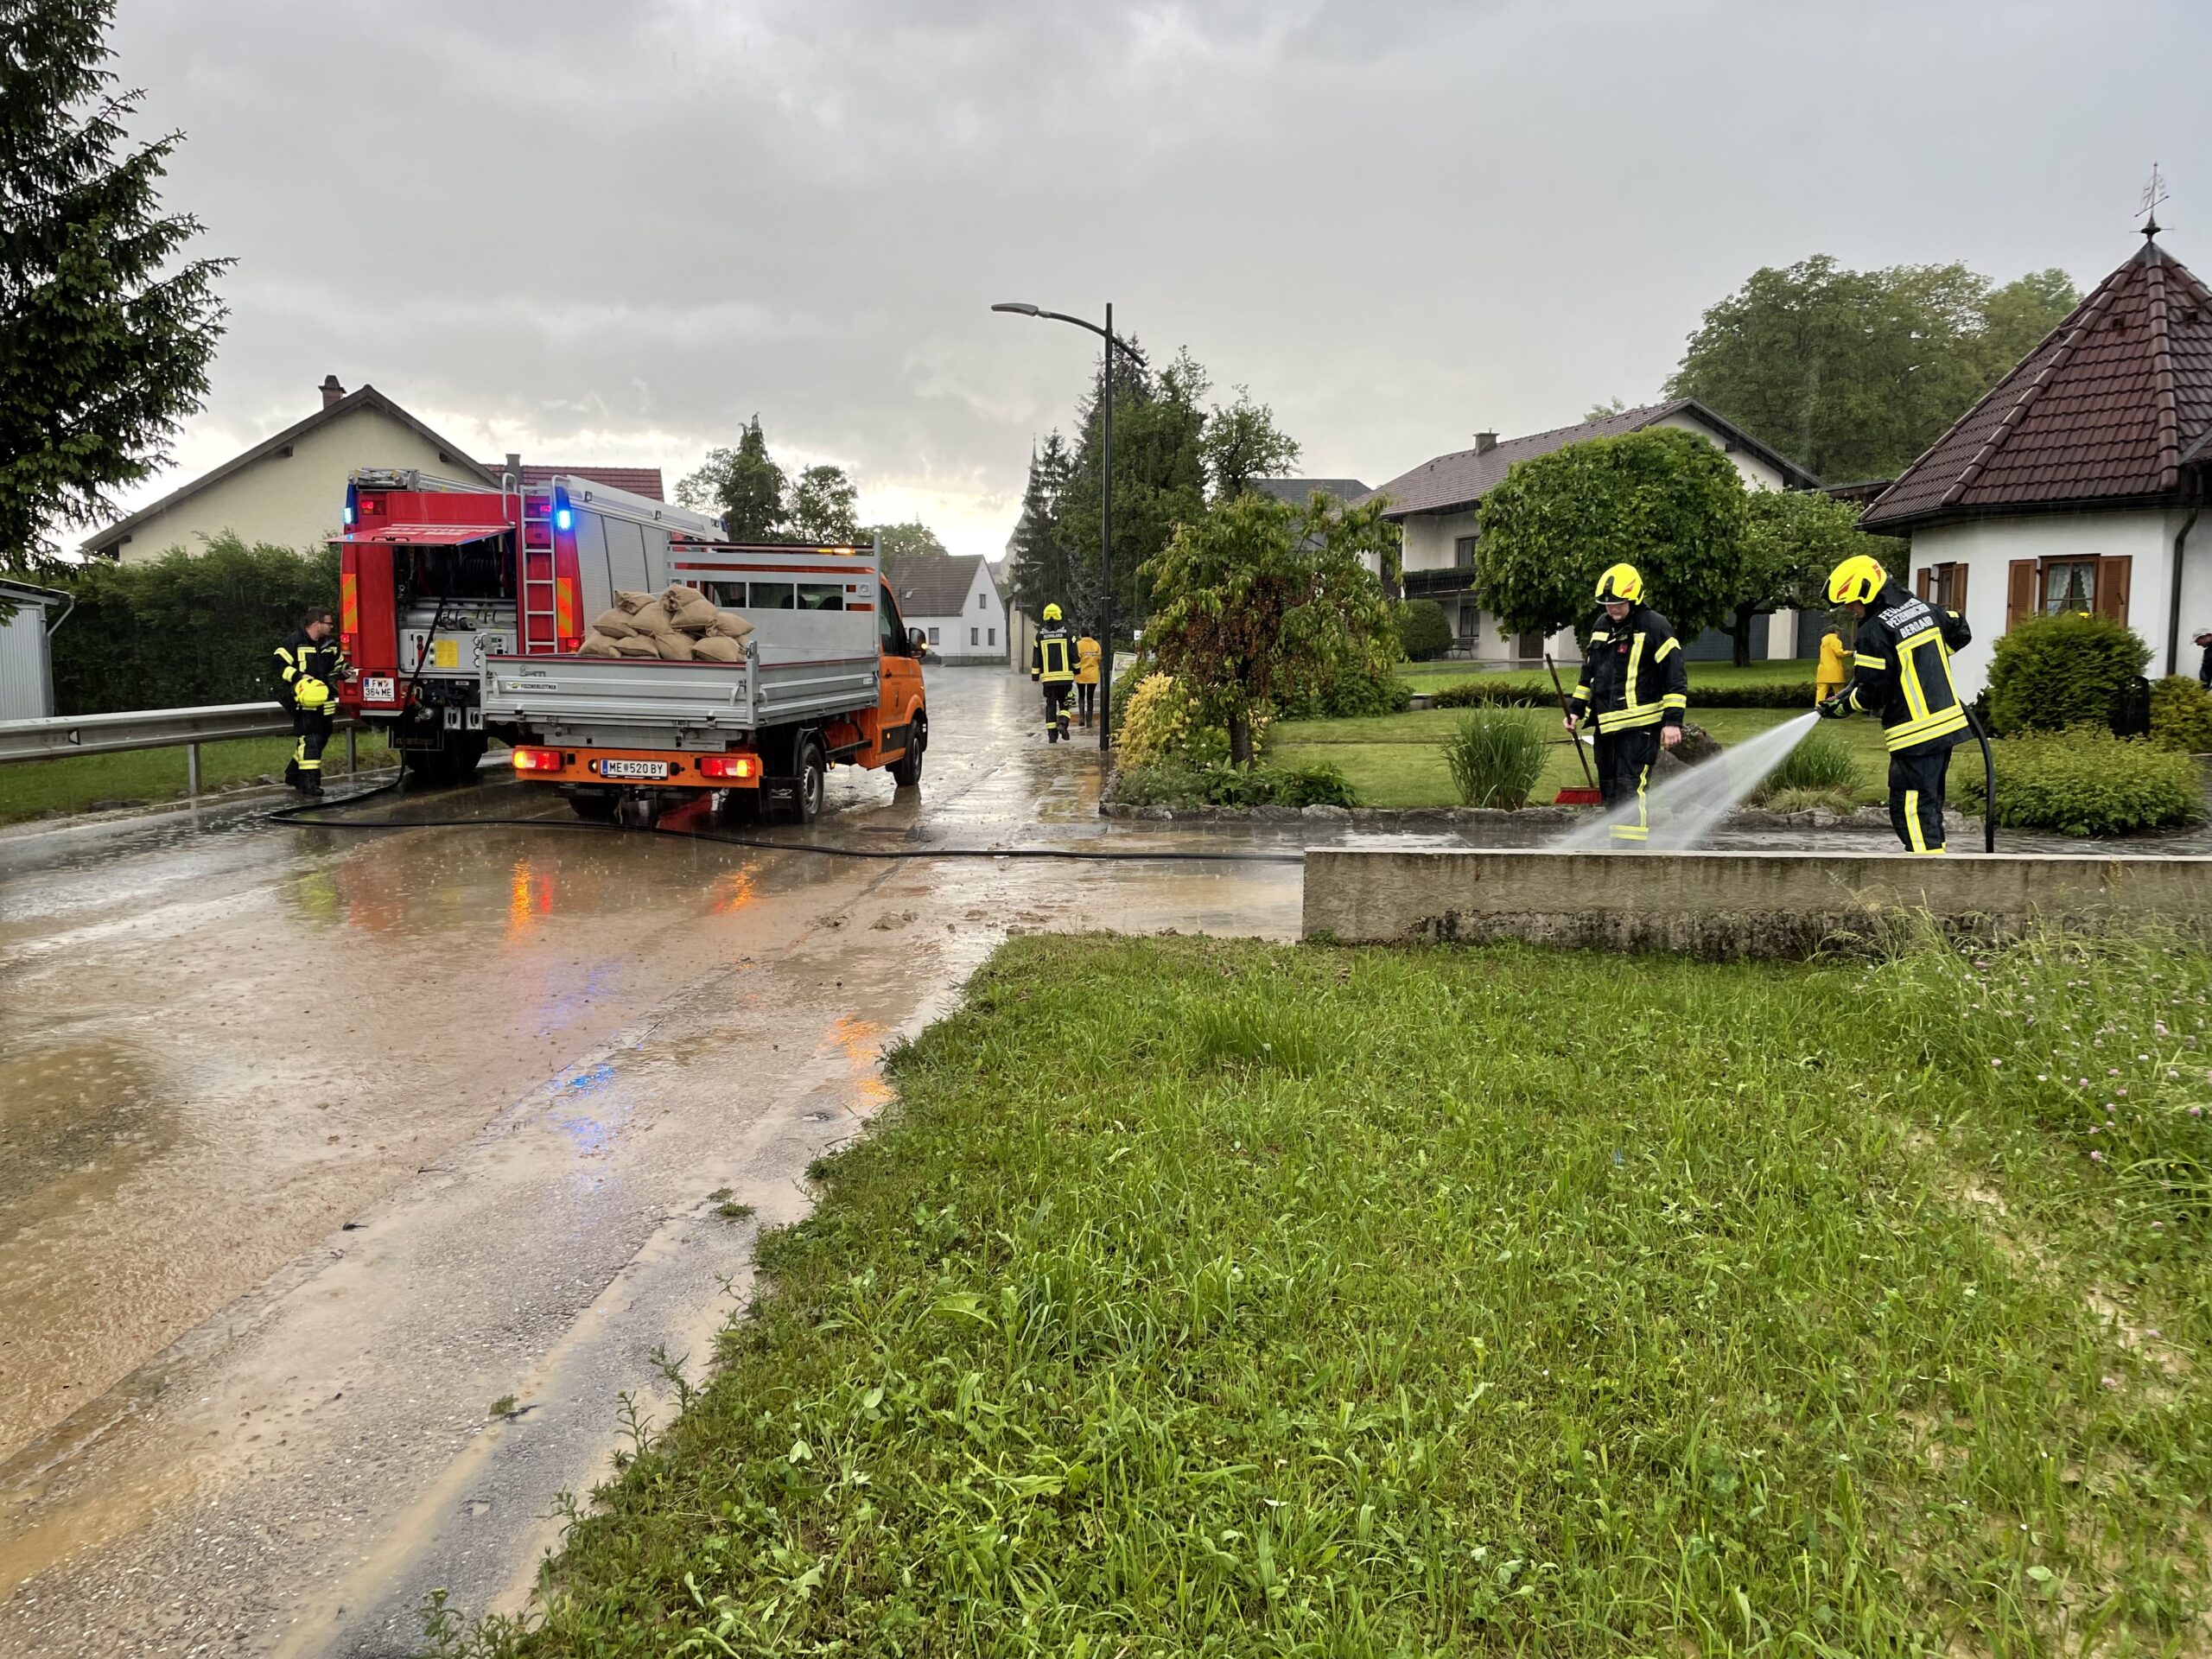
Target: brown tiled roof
2104,409
1455,482
638,481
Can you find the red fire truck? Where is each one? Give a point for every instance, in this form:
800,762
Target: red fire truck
437,575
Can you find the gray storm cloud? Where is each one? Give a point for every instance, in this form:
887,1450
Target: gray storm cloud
612,232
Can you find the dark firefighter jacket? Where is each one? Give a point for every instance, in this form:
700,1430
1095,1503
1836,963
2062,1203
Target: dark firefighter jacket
1051,659
1633,674
299,656
1902,672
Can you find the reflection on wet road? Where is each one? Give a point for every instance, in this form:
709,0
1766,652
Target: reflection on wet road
315,1142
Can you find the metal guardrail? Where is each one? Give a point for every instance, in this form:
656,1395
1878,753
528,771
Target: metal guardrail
151,729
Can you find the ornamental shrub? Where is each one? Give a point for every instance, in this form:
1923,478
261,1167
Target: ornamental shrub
1821,762
1424,632
1179,783
1354,691
2051,673
2180,715
1154,722
2086,782
1496,757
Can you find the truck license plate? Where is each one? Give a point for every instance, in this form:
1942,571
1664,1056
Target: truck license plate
633,768
380,688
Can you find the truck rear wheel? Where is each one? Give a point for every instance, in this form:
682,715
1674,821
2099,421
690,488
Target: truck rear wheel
812,782
906,770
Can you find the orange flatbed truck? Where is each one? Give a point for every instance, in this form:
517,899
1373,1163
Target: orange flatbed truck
830,676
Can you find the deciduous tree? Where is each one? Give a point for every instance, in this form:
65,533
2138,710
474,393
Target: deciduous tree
743,485
1241,443
106,331
1792,539
1663,500
822,506
1254,595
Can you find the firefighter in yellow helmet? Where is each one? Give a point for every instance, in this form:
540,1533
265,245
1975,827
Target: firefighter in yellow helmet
1902,674
1636,687
309,664
1052,665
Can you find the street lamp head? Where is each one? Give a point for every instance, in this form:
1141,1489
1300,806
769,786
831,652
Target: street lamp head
1018,307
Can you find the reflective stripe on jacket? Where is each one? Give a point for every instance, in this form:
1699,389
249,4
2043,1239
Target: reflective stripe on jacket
1902,672
1052,658
300,655
1633,673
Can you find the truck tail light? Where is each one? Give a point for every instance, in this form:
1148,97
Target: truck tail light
729,766
527,759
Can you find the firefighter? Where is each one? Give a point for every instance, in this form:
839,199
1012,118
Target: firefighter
2204,664
1902,674
1086,679
309,664
1052,663
1636,687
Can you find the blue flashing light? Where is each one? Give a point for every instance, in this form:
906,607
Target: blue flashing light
564,519
352,504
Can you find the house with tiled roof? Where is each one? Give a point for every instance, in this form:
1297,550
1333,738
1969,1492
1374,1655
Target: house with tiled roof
953,600
2078,482
1438,506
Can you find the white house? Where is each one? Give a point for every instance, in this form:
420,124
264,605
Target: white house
1438,506
2078,482
955,602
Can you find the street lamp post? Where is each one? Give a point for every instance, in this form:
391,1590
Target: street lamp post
1105,510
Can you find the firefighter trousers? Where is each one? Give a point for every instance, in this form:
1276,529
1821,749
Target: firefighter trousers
1916,783
312,726
1056,708
1624,763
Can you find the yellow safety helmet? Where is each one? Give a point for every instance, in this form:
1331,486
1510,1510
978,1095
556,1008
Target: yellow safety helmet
1621,583
310,693
1856,581
1051,613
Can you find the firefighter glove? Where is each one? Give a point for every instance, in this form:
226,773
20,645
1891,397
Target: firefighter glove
1837,707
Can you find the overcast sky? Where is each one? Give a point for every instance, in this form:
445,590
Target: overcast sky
609,231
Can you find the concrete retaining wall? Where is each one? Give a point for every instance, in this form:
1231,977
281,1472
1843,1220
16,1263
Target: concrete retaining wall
1725,904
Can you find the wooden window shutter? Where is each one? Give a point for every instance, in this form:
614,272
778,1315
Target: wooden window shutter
1959,586
1924,581
2019,592
2111,587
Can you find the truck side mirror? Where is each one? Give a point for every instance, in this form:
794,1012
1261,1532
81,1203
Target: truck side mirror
918,642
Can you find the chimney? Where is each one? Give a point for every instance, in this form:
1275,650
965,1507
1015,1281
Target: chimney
1484,442
332,391
514,468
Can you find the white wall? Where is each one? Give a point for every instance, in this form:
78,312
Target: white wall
292,500
1987,547
1757,475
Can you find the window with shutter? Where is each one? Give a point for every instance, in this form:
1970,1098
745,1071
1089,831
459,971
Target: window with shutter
1922,582
2019,591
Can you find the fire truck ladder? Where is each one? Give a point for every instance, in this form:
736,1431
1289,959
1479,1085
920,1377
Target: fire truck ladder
536,609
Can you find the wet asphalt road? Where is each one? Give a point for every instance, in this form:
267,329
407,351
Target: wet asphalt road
318,1143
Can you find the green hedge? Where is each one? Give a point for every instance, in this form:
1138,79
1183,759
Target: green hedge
1424,632
2053,672
1473,694
2087,782
186,629
1177,783
2180,715
1351,694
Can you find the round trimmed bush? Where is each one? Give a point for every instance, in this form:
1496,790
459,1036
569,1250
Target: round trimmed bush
2051,673
1424,632
1820,764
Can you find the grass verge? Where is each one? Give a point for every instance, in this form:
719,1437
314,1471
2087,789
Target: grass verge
1227,1300
1426,676
74,783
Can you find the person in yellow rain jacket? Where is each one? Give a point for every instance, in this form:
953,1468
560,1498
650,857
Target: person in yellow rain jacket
1051,664
1834,671
1086,679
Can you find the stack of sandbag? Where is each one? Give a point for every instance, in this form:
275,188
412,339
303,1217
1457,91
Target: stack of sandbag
679,625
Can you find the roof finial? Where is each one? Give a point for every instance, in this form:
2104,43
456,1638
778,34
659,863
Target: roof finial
2147,209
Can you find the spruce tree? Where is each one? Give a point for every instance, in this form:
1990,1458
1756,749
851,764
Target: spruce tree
104,337
752,491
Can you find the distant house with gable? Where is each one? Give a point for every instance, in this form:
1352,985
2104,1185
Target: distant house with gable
289,488
2076,483
1439,506
954,600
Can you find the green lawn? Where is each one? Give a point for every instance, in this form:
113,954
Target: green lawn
36,787
1225,1299
1428,677
1394,760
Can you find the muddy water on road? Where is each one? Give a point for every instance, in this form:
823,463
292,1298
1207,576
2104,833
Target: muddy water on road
521,1057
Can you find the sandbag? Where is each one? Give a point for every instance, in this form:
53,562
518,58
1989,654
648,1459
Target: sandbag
600,645
614,622
674,647
637,645
713,648
689,609
633,602
728,625
651,623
